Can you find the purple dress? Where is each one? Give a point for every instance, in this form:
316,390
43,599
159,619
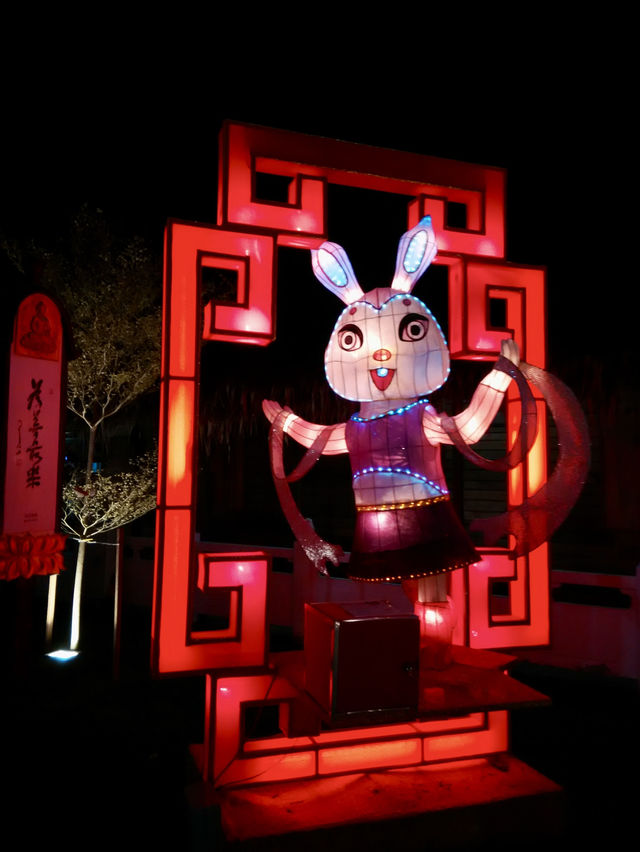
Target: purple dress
405,527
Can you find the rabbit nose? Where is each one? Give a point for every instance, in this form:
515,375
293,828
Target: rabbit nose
381,355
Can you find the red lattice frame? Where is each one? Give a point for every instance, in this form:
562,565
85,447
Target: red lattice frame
244,240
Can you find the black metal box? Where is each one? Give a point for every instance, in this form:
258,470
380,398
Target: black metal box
362,660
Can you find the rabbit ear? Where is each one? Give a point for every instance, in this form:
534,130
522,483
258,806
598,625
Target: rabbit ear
416,250
332,267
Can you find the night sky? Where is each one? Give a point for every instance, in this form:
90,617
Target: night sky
143,148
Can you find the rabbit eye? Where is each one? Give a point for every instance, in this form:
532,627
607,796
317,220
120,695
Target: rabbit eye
350,337
413,327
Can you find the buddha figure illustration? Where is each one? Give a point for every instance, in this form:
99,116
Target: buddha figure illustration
40,338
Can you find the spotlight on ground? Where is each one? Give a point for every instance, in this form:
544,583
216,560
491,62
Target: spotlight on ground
63,655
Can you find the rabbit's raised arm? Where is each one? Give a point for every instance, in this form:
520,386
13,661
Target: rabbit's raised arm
305,433
473,422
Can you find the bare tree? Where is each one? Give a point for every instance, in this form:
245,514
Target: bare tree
95,503
98,503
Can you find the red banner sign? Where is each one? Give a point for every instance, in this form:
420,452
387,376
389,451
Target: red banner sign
32,450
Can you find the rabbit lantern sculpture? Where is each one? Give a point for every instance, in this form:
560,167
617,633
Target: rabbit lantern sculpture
387,352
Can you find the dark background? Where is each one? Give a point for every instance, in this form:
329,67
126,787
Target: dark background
124,116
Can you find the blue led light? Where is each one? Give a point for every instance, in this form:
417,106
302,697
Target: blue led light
332,268
415,252
357,419
403,471
382,372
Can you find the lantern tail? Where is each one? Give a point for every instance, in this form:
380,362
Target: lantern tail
539,516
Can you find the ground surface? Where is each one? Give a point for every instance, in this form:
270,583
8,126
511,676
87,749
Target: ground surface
92,762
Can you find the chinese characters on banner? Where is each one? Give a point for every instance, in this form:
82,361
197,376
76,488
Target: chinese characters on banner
34,449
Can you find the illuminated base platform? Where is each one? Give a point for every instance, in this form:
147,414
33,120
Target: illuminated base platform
462,713
452,806
444,774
